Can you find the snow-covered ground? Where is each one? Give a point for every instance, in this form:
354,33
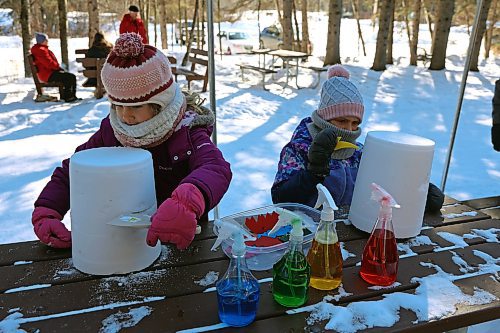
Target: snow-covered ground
253,124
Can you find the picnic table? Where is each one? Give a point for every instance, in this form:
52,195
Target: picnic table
41,291
288,56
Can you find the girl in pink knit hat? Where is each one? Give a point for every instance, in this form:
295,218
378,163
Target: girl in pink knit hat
149,111
323,149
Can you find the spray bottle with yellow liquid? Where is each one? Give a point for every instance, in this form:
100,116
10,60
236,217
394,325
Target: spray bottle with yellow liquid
325,256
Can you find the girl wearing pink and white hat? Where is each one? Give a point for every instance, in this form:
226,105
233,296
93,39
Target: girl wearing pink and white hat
323,149
149,111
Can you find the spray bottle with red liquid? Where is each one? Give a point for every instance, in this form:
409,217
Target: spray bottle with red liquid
379,264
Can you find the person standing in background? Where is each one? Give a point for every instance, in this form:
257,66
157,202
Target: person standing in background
495,114
132,22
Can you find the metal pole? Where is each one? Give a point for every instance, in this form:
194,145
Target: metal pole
211,76
472,41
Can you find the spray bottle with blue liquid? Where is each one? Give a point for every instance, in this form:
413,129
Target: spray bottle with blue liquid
292,272
238,289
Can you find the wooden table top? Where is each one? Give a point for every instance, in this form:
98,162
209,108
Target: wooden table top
288,54
41,290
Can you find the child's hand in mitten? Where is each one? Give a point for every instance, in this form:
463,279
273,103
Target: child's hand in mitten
320,152
435,199
49,228
175,220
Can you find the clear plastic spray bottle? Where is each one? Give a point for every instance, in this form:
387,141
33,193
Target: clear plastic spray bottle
238,289
325,256
292,272
379,264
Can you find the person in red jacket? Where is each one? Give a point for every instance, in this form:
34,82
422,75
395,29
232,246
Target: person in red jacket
132,22
49,69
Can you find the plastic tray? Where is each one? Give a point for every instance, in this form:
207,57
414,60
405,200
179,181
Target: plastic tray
262,258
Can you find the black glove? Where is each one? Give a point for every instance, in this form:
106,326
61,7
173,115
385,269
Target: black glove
495,136
435,199
320,152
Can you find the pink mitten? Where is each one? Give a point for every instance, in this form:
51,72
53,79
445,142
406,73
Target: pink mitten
49,228
175,220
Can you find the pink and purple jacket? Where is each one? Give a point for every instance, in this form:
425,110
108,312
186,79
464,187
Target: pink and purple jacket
188,156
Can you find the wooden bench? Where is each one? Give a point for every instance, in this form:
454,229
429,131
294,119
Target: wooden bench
39,84
197,58
317,70
263,71
92,70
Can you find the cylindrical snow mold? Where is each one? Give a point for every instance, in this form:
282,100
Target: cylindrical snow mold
104,184
401,164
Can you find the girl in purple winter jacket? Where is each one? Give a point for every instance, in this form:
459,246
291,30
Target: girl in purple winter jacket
148,111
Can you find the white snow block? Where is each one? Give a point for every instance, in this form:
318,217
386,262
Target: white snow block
401,164
104,184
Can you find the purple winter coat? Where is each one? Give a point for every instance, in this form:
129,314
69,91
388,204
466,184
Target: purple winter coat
188,156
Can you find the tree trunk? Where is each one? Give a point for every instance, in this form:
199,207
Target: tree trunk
36,16
278,9
355,10
191,33
163,24
63,32
384,22
93,9
481,28
26,34
297,33
219,19
305,27
390,38
414,28
179,23
332,56
155,23
428,18
444,16
375,9
286,25
489,31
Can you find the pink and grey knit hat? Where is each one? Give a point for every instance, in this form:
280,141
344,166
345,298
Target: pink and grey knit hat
136,74
339,96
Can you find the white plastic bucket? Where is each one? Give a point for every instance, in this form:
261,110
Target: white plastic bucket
104,184
401,164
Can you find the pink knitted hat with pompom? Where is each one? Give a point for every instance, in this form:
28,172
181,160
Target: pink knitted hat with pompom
339,96
136,74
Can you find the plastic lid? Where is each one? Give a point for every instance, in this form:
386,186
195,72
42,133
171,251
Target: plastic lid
111,158
408,141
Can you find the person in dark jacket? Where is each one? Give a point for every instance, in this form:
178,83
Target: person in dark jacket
132,22
148,111
495,114
49,69
100,49
323,149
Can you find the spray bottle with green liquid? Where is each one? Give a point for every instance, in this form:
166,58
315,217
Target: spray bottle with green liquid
325,256
292,272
